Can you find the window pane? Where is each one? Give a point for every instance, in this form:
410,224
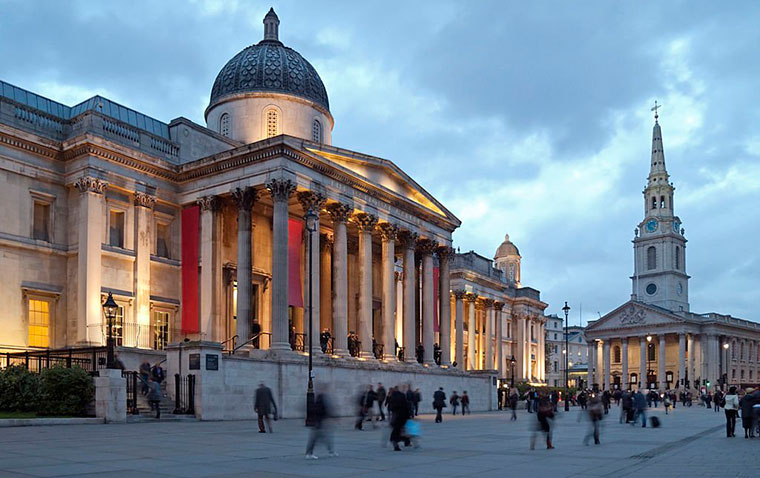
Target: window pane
39,323
116,232
162,240
160,329
41,229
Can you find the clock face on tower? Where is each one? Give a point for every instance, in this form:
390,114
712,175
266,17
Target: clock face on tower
676,226
652,225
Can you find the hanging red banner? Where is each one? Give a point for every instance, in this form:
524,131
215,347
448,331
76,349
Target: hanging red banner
190,258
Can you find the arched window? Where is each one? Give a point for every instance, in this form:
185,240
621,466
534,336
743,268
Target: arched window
662,202
678,258
654,202
616,355
224,125
733,350
651,258
316,131
273,123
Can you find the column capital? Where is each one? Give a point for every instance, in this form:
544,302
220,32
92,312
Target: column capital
244,198
444,252
498,305
480,303
326,242
408,239
339,212
470,297
488,303
459,294
208,203
311,200
281,189
365,222
426,246
90,184
144,200
388,231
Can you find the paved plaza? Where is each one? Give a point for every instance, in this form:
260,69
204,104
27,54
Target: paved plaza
690,442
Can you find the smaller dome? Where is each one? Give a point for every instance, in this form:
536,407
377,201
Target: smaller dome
506,249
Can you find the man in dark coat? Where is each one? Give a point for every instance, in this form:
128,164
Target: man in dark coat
264,405
398,406
439,401
410,399
381,395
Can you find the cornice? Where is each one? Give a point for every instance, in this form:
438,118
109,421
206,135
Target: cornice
89,149
29,146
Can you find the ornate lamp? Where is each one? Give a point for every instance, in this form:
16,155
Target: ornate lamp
109,309
566,310
311,226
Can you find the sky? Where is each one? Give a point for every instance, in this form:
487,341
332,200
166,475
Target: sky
527,118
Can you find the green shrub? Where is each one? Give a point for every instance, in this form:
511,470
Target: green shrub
65,391
19,390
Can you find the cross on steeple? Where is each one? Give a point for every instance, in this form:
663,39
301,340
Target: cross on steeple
655,108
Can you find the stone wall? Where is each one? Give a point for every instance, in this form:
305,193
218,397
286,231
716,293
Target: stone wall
227,393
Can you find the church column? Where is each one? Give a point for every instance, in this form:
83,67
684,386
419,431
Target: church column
643,351
389,233
521,342
366,223
325,286
600,362
681,361
591,362
499,338
704,353
210,275
488,315
426,248
143,240
470,298
692,351
339,213
459,328
606,370
91,209
542,350
624,380
281,190
444,309
661,357
244,199
408,242
314,202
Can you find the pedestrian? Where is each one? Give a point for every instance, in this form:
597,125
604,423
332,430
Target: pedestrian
666,402
748,414
398,408
320,429
381,396
454,401
513,399
717,401
410,399
361,407
264,406
439,402
154,397
544,417
157,373
640,407
369,404
554,397
416,400
324,339
626,406
529,401
256,334
731,407
582,399
144,376
606,400
465,403
595,414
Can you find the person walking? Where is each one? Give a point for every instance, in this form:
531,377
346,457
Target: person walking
439,402
666,402
544,417
369,405
381,396
717,401
264,406
626,406
746,404
398,408
410,399
606,400
731,407
513,399
640,407
595,415
320,430
154,397
144,376
465,403
454,401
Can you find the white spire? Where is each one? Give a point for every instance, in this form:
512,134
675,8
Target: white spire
657,168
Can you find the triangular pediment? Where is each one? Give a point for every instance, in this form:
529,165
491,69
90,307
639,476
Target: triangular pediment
632,315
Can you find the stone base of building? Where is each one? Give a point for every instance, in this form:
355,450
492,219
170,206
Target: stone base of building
225,385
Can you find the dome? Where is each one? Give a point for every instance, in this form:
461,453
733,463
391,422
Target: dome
506,249
269,66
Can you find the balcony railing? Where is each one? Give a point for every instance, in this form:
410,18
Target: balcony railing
130,334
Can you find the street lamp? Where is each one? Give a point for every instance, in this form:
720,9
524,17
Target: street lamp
724,377
311,227
109,309
512,363
566,310
649,355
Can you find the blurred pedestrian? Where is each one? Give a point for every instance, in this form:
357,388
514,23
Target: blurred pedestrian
320,429
731,407
398,407
595,414
264,406
144,376
454,401
417,398
640,407
513,399
748,414
369,404
381,396
465,403
439,402
154,397
544,417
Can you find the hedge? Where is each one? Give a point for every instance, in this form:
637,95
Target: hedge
55,391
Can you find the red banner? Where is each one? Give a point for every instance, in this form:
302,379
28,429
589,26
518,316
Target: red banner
295,253
190,258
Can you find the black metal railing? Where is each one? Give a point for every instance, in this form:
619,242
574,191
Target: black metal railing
131,377
377,350
228,346
329,346
89,358
255,340
184,394
297,342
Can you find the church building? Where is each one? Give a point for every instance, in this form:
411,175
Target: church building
654,340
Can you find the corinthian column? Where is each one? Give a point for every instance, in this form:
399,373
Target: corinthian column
459,328
408,242
281,190
488,312
366,223
389,233
340,213
144,225
444,309
314,202
471,327
624,364
426,248
244,199
499,338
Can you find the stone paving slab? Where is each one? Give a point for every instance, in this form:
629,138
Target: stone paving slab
691,442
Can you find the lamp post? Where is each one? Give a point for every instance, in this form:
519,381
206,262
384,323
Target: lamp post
512,364
649,355
724,376
109,309
566,310
311,227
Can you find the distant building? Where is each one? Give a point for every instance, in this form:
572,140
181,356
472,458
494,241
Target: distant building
555,345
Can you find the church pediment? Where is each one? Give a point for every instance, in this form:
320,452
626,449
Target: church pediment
631,315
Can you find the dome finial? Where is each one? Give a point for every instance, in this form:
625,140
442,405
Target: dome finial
271,26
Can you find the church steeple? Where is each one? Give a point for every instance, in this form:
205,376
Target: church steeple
271,26
657,171
658,195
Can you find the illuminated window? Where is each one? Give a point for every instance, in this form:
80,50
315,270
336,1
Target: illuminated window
224,125
39,323
160,329
273,123
116,229
117,328
41,221
651,258
316,131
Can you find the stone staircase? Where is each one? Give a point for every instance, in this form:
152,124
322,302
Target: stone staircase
166,405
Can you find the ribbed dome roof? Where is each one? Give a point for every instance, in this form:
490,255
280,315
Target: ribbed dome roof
269,66
506,249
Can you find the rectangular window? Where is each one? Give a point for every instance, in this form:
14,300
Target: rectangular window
39,323
162,240
160,329
118,327
41,222
116,229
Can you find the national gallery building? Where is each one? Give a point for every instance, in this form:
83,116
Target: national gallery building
654,340
237,232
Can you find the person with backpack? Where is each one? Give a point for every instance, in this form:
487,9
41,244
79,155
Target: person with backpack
398,408
731,407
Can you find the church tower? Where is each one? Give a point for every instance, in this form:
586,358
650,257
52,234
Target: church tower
659,247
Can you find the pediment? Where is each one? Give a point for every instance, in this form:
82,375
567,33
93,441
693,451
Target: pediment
632,315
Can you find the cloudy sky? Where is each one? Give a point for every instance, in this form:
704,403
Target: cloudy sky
527,118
